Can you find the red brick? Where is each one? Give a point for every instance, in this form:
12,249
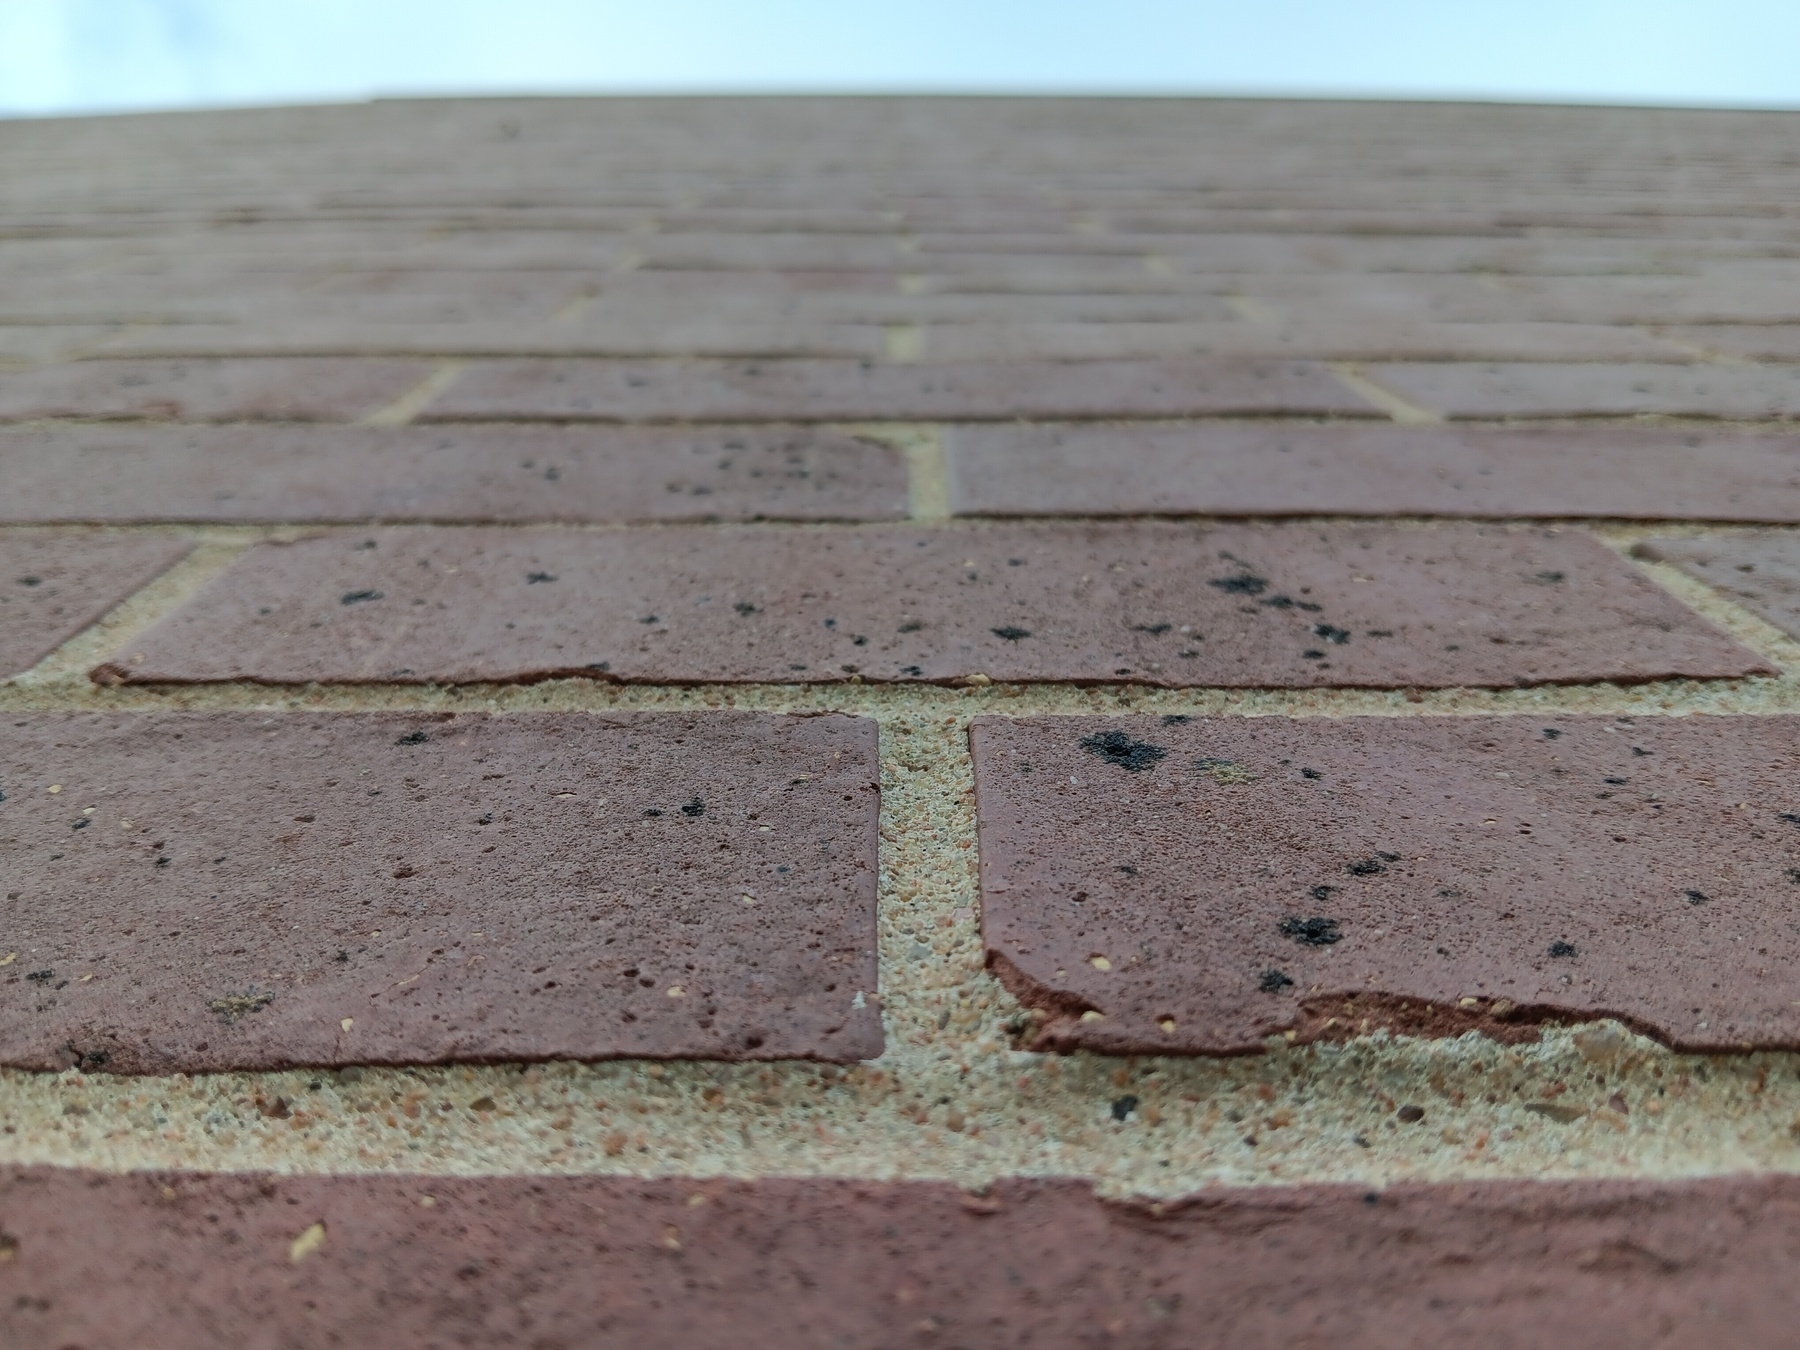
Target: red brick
54,584
1275,469
323,389
169,1261
819,390
1766,342
1205,885
1283,606
496,473
1541,390
1761,570
214,891
1306,334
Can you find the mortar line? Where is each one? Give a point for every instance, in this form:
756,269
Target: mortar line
1353,377
414,401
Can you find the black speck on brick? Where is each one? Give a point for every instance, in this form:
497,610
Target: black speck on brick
1367,867
1274,981
1696,897
1010,633
696,807
1311,773
1115,747
1322,892
1124,1106
1337,635
358,597
534,578
1244,584
1314,932
745,608
414,738
1551,733
1562,949
1154,629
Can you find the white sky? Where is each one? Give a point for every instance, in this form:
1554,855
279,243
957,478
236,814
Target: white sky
92,55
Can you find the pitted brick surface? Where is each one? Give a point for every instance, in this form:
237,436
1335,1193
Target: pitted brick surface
167,1261
1197,887
1275,469
1545,390
191,892
1760,569
824,390
492,473
1246,606
54,584
201,389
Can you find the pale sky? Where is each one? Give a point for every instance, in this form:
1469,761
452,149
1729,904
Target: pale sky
97,55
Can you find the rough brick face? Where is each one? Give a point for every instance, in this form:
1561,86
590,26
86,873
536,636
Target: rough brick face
165,1261
1284,606
1176,886
494,474
799,390
206,891
1531,390
306,389
1284,469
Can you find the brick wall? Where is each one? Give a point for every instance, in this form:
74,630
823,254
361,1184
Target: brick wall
652,720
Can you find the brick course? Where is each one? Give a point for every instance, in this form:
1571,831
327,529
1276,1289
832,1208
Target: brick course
1199,887
207,891
289,473
166,1260
1236,606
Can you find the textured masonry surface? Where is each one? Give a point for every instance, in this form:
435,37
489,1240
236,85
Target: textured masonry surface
1287,469
1200,885
209,891
169,1260
1237,606
270,474
661,450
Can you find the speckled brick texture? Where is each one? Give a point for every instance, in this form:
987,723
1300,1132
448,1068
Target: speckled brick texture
1200,886
799,390
1288,469
304,389
1548,390
166,1261
54,584
206,891
1283,606
271,474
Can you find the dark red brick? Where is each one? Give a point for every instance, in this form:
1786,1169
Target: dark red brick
305,389
1242,606
1593,390
215,891
169,1261
1765,342
823,390
1204,885
494,473
53,584
1275,469
1760,569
